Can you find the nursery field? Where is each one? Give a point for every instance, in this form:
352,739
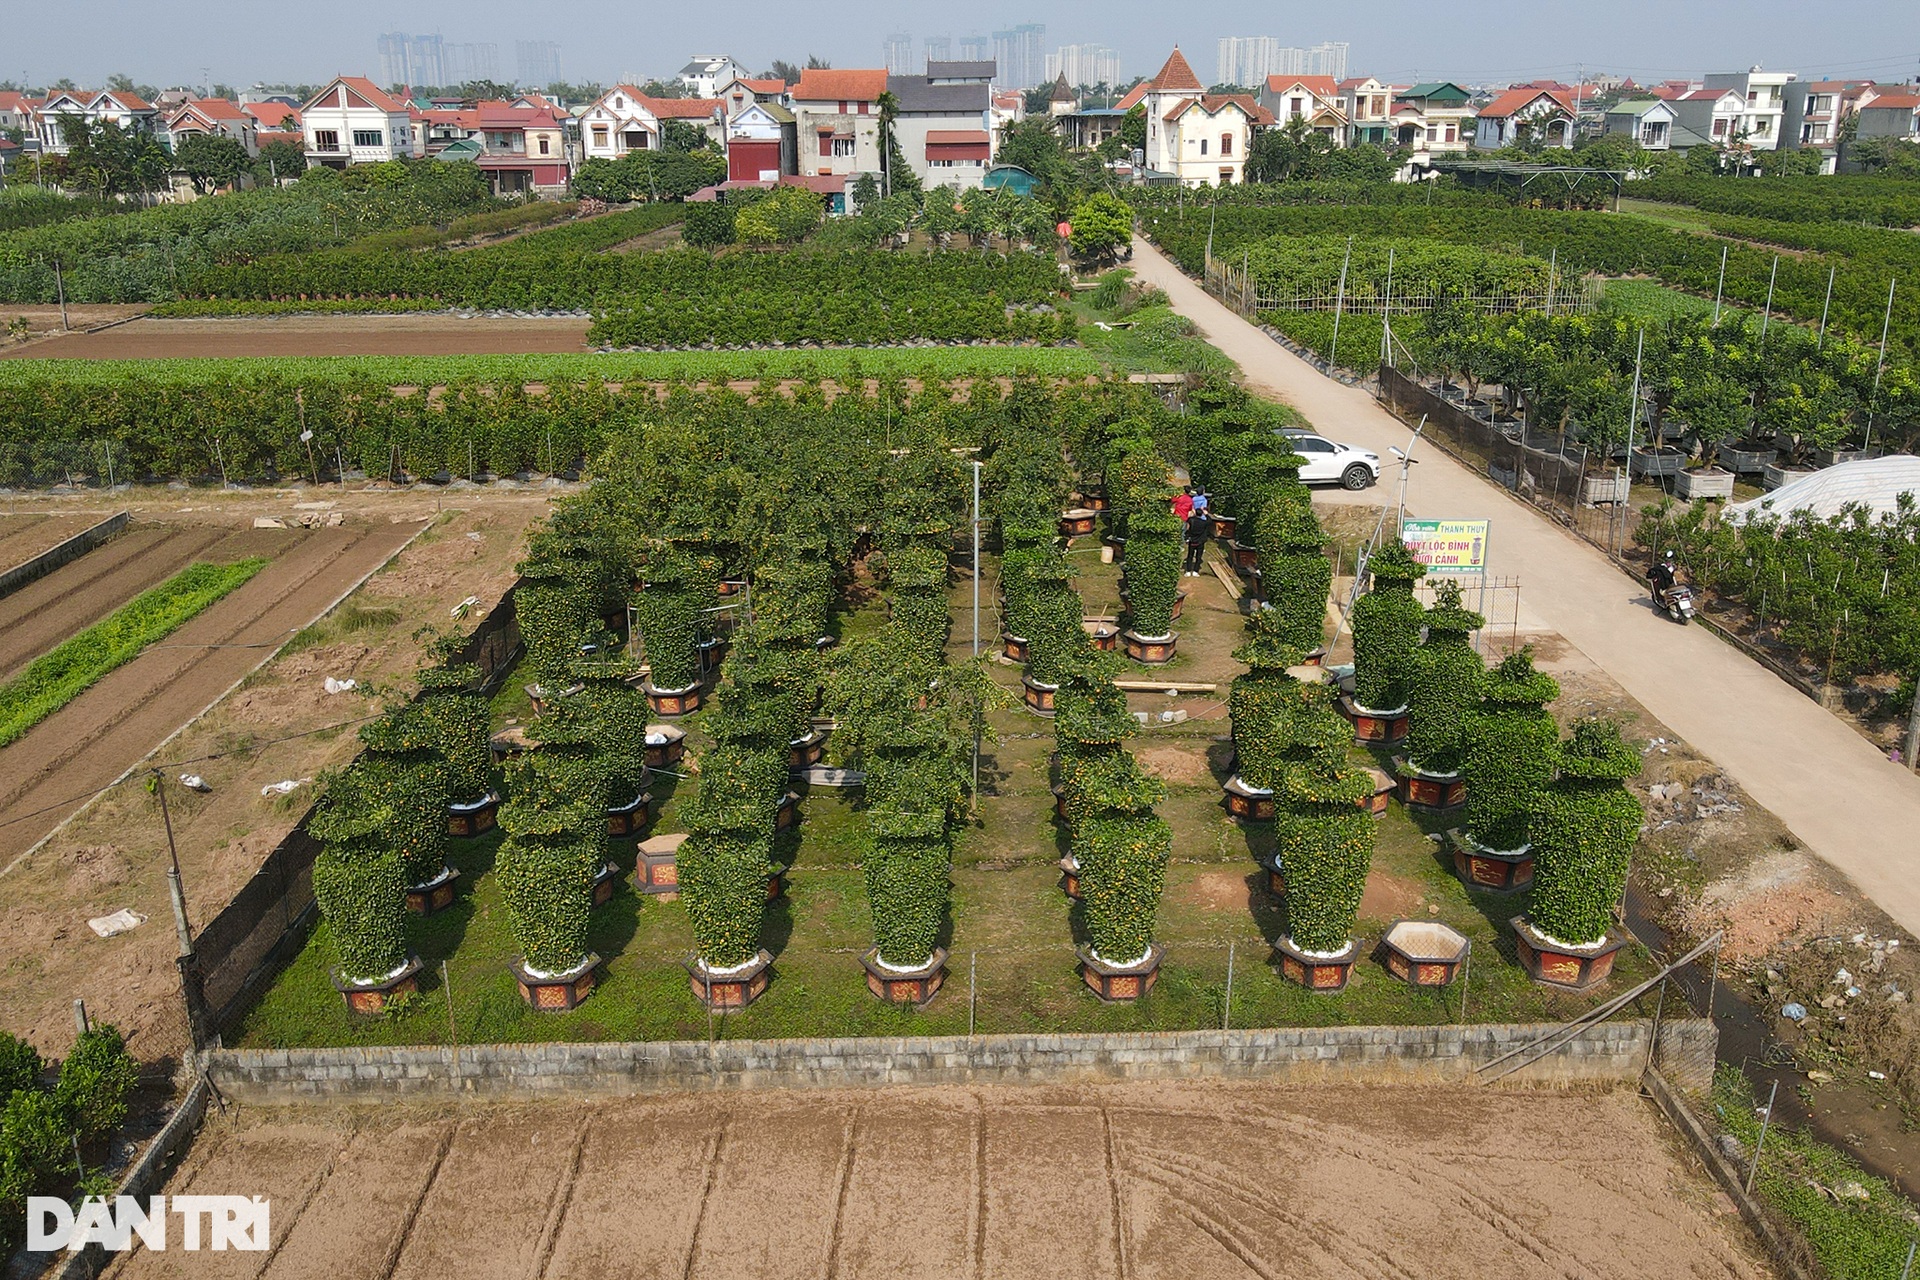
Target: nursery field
256,337
1195,1179
22,537
57,764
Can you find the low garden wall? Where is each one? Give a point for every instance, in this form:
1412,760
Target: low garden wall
55,556
1615,1052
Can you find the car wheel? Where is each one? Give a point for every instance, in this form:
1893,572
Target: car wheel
1356,476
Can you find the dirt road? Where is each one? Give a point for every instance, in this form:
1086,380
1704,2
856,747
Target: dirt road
1195,1179
1838,796
411,334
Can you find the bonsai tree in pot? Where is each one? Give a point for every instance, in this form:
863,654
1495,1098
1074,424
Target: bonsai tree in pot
668,612
360,883
456,713
1154,548
1137,478
1508,757
1053,619
1584,830
1295,574
723,871
1025,542
1323,842
1386,630
1265,470
403,773
546,869
1442,689
1256,703
917,576
616,716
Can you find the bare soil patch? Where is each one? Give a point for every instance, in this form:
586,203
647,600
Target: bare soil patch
413,334
24,537
1196,1179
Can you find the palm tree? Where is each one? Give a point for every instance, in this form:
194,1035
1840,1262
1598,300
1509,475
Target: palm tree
889,109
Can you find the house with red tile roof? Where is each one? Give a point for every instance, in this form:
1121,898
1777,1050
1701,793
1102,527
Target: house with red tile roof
741,92
214,117
16,110
624,119
127,110
837,117
1367,104
1892,114
1314,99
1195,137
354,121
272,117
1525,114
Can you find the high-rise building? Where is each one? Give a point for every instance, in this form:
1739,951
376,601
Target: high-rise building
975,49
472,62
1084,64
1021,55
939,49
899,51
1249,60
537,62
412,60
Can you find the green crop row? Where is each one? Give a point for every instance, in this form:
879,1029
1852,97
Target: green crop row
1883,202
59,676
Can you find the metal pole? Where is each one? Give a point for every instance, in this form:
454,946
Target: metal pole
1553,275
1386,315
1717,288
1766,317
1633,422
973,962
60,284
80,1017
1880,366
1339,302
1466,976
190,994
1659,1011
1821,342
453,1032
1226,1005
1765,1120
976,558
1913,734
1907,1269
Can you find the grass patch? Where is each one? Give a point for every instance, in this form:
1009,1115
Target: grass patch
1678,216
1646,300
357,618
56,678
1859,1226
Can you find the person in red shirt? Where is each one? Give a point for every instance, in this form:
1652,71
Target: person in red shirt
1183,503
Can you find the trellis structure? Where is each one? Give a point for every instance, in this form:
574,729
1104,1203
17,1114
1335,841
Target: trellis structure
1233,284
1507,175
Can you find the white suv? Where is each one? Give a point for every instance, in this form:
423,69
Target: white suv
1328,461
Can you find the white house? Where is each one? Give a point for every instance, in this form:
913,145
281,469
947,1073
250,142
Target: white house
124,109
353,121
741,92
944,128
706,72
837,117
1763,96
1521,114
623,119
215,117
1198,138
1714,114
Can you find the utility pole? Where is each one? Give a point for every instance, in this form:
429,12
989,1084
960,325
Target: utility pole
1339,301
1633,422
1880,366
190,988
1821,342
1721,285
1766,317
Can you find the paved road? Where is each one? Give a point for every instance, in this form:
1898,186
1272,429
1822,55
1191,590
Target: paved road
1842,798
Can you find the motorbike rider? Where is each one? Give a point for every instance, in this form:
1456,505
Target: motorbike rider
1663,577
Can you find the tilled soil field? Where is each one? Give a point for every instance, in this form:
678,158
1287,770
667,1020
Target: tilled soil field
89,742
431,334
22,537
1200,1179
79,593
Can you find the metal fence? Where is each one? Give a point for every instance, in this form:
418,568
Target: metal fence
1234,285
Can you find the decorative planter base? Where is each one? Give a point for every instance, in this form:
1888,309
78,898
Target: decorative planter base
905,986
1317,973
1070,877
804,753
1078,521
1245,559
1102,637
1014,647
1556,964
1429,792
776,885
559,992
787,816
665,745
675,702
629,818
510,744
729,988
1094,501
604,883
1250,803
1224,526
656,870
475,818
1037,696
1119,984
1501,870
712,654
373,997
1383,788
1059,803
1374,728
1152,650
1276,877
1423,953
1179,603
433,897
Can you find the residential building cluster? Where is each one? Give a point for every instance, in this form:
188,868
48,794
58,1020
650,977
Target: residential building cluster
823,130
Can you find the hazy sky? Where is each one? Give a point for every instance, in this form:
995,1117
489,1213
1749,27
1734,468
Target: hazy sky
1481,41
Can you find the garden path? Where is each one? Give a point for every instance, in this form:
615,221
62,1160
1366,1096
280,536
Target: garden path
1837,794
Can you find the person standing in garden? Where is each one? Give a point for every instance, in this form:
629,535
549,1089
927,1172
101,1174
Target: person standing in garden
1183,503
1199,530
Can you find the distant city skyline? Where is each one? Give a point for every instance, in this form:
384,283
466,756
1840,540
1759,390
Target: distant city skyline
1483,44
1249,60
1084,64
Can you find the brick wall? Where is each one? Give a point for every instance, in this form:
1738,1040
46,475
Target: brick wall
1613,1051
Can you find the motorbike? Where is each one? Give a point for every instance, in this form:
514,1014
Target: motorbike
1677,600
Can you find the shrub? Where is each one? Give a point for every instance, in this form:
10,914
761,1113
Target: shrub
457,714
36,1153
1444,684
1053,631
95,1081
1295,576
20,1065
545,869
1123,868
1260,701
1386,629
907,886
666,610
402,775
918,577
1153,569
1323,841
617,715
787,215
359,882
709,224
723,880
1509,752
1584,831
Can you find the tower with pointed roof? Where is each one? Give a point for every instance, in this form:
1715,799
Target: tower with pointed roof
1199,138
1061,101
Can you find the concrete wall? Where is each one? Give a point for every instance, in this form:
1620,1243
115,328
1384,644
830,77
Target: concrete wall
53,557
1614,1051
